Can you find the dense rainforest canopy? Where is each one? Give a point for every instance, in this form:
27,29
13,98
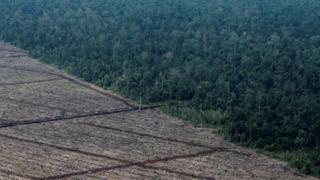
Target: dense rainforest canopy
251,67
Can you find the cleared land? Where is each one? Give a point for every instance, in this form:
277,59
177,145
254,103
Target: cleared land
53,126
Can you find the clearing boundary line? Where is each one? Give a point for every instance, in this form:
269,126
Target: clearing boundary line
143,164
99,113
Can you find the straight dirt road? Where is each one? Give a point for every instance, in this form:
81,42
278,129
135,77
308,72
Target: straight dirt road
53,126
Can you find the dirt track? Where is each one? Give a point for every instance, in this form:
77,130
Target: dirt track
53,126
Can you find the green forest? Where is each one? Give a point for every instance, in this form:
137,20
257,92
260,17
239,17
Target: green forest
250,68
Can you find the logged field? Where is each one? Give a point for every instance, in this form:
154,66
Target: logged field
54,126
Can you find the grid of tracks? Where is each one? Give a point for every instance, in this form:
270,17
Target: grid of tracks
53,126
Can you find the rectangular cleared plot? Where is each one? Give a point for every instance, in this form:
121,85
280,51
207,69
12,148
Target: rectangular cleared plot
226,165
132,172
11,54
15,61
63,94
122,145
12,110
10,76
155,123
33,160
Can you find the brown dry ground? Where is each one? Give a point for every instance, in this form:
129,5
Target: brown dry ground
53,126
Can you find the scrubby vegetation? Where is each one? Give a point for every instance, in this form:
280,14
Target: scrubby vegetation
251,67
